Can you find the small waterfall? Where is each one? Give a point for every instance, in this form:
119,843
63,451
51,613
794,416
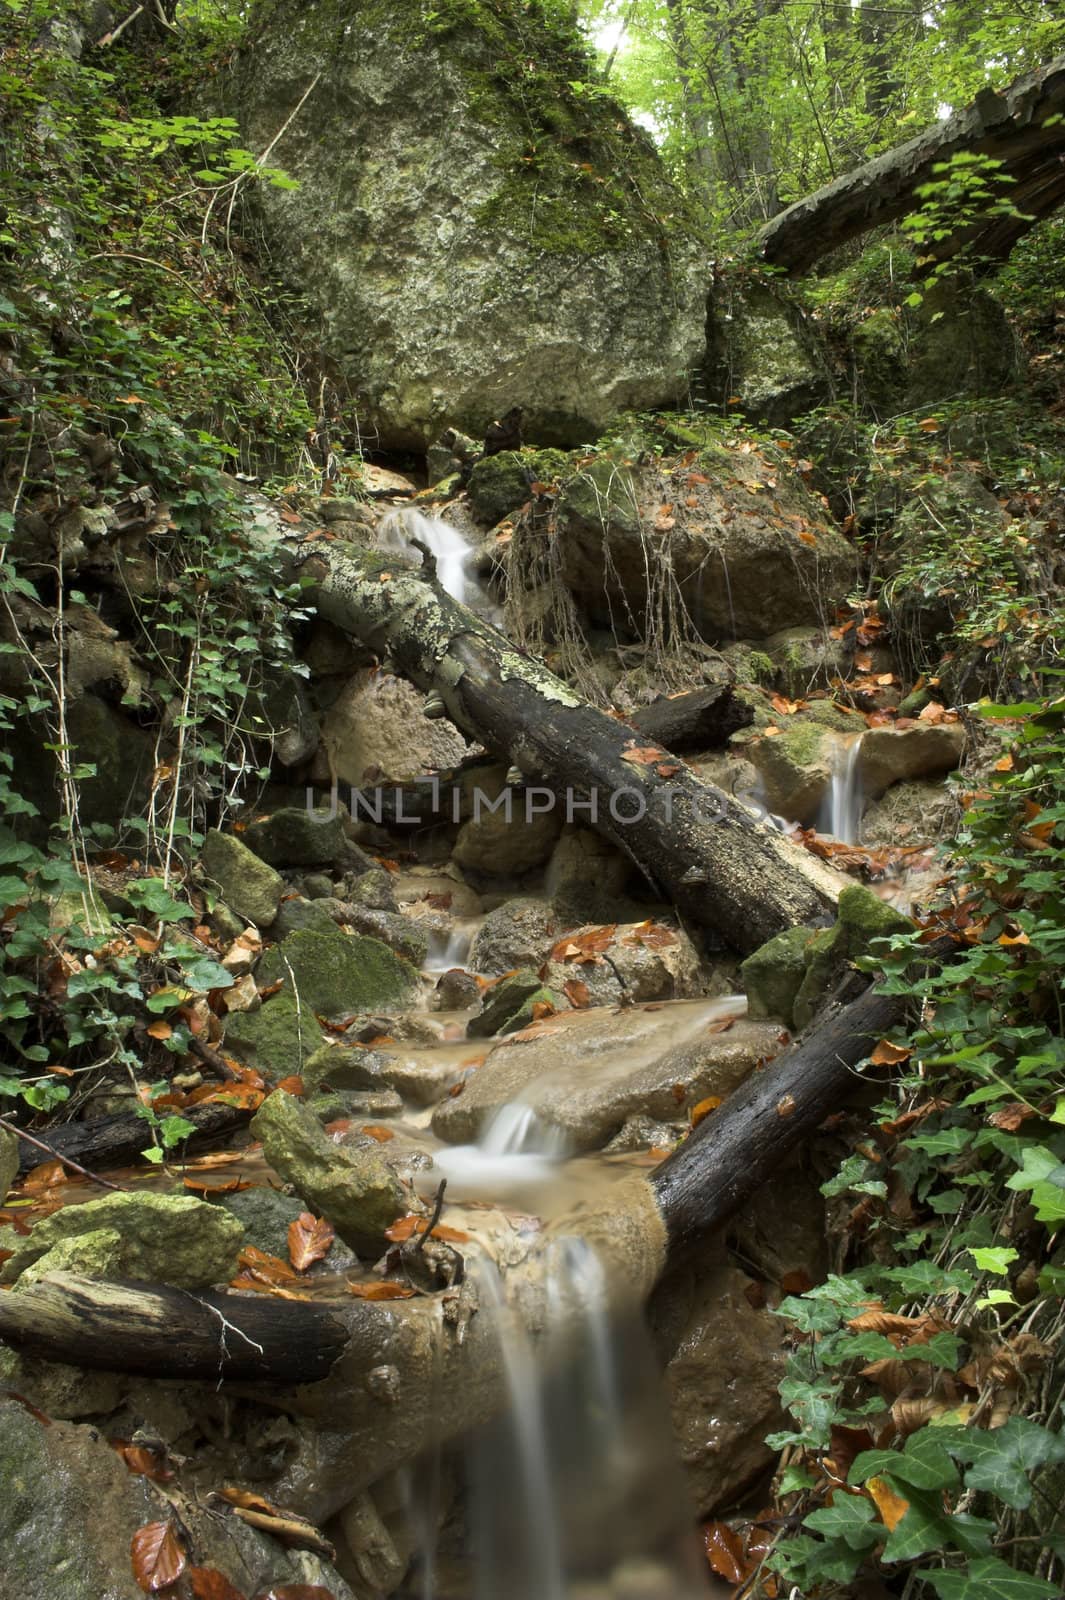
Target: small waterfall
399,528
841,810
516,1150
447,950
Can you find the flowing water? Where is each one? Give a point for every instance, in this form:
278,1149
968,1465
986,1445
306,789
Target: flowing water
397,531
841,809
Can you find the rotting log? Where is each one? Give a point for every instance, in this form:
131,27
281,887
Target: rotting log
703,719
156,1331
119,1140
722,868
1023,127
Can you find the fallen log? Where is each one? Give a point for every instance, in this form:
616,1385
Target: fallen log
703,719
155,1331
1023,127
118,1141
718,864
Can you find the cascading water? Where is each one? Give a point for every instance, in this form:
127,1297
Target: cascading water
841,809
447,950
397,531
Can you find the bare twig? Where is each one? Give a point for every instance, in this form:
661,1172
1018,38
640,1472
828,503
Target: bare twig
438,1206
115,34
93,1177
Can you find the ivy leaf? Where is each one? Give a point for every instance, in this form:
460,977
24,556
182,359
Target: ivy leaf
994,1260
926,1526
923,1464
1001,1458
850,1517
989,1579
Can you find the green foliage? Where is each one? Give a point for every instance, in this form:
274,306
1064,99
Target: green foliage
968,1194
964,192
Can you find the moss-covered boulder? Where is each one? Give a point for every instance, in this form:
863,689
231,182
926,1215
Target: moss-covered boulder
247,885
509,1005
772,975
354,1188
9,1161
500,484
295,837
511,255
795,765
164,1238
861,920
334,973
276,1039
763,355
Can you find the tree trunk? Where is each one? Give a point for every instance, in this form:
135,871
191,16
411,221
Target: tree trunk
1016,127
721,868
118,1141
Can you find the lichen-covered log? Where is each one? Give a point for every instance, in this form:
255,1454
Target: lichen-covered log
1023,127
717,863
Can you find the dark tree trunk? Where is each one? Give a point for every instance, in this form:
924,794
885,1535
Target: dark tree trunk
1023,127
118,1141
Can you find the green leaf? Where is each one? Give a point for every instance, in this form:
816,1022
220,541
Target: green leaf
988,1578
152,895
927,1526
923,1464
994,1260
851,1518
999,1459
203,974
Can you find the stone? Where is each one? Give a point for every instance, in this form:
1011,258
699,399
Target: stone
9,1160
275,1039
782,1230
892,755
586,876
805,659
296,837
961,342
504,1004
282,713
121,754
518,933
296,914
911,813
265,1215
764,358
722,1376
551,286
587,1072
511,841
332,1105
373,890
375,732
247,885
335,974
643,961
456,990
795,767
355,1189
500,484
861,920
164,1238
772,975
752,555
643,1133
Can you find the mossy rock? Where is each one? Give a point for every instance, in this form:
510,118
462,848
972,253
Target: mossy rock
275,1039
772,975
508,1005
861,920
295,837
9,1160
499,484
355,1189
162,1238
335,974
601,495
265,1215
245,882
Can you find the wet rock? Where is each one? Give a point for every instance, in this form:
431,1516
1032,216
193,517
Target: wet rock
722,1376
400,933
9,1160
375,732
511,841
795,767
373,890
456,990
736,554
296,837
805,659
589,1071
333,1105
250,887
335,974
508,1004
911,814
781,1231
517,934
643,1133
861,919
643,961
341,1066
569,304
890,756
419,1075
500,484
174,1239
772,975
275,1038
355,1189
265,1215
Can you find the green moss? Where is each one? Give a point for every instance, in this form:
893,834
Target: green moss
275,1038
760,667
165,1238
773,974
862,919
500,484
335,973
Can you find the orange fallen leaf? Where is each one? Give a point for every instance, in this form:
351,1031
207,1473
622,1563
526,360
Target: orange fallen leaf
141,1461
292,1085
887,1054
381,1291
891,1506
156,1556
374,1130
405,1228
309,1240
577,993
724,1551
786,1105
704,1108
208,1583
206,1186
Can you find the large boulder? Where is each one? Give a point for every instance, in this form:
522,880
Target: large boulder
374,731
735,533
334,973
485,232
763,354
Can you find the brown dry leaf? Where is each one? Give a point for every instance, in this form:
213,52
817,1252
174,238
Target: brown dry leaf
1005,764
585,946
287,1526
292,1085
928,425
374,1130
808,538
405,1228
206,1186
48,1175
724,1551
667,769
245,1096
795,1282
309,1240
704,1108
786,1105
207,1583
264,1267
912,1412
156,1557
722,1025
644,755
381,1291
141,1461
891,1506
577,993
542,1009
847,1445
784,707
886,1054
652,935
890,1323
1012,939
295,1591
1011,1116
